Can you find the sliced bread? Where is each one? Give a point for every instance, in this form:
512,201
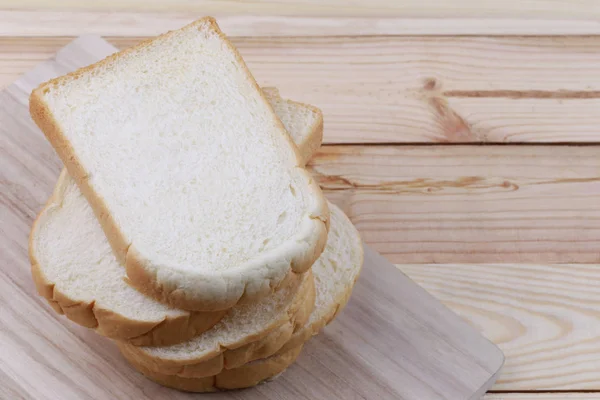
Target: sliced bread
234,358
242,325
75,270
303,122
335,273
200,191
247,375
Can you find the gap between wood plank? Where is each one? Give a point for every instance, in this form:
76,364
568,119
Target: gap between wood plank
524,94
468,204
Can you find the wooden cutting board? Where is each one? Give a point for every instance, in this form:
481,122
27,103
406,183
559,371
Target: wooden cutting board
393,341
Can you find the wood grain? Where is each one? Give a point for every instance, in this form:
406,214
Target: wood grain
70,22
585,9
416,89
544,317
393,340
420,204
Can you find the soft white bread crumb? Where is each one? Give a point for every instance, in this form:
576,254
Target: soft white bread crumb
197,186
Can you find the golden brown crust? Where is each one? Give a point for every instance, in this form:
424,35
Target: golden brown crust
138,269
233,358
237,357
252,374
246,376
263,348
244,351
115,326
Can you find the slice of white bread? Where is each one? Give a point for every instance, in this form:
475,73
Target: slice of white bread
335,273
200,191
303,122
248,375
242,325
75,270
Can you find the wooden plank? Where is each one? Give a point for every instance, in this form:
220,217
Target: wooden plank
560,118
420,204
417,348
544,317
39,23
416,89
413,8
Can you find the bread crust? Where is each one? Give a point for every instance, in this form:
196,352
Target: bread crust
107,322
251,347
245,376
202,291
234,358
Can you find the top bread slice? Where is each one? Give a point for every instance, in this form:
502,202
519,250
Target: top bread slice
75,270
199,189
303,122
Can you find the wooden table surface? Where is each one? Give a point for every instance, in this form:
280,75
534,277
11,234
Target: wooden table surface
466,149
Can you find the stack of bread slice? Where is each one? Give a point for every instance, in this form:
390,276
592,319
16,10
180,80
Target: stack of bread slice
185,226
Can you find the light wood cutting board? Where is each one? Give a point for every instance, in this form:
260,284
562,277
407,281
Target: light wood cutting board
393,341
